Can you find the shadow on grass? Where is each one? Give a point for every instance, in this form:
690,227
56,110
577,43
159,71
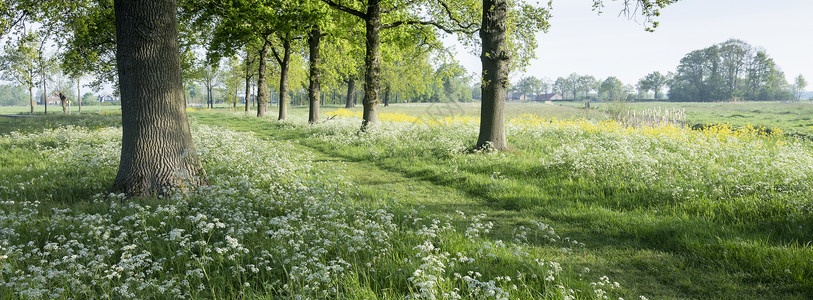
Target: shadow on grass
613,221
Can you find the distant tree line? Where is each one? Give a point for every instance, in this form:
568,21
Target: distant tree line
13,95
732,70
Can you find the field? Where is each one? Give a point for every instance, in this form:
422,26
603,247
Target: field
581,207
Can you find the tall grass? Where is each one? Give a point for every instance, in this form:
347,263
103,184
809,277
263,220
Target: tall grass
274,223
734,203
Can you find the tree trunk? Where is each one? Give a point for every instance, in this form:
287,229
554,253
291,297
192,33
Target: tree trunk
208,94
262,87
314,91
495,75
387,97
31,97
351,93
79,95
283,79
63,100
157,149
248,80
372,63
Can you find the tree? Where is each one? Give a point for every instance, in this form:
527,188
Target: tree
14,14
612,89
62,85
12,95
314,74
283,58
586,84
45,63
157,149
561,86
800,85
528,85
729,70
18,63
378,15
495,61
574,84
248,71
85,30
371,13
495,56
209,76
543,86
654,82
231,78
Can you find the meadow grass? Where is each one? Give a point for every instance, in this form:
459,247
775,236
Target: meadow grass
276,221
576,210
57,109
680,213
793,117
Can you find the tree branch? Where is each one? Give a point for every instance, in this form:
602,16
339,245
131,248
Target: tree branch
472,27
433,23
276,55
345,9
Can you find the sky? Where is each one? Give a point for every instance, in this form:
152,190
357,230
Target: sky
581,41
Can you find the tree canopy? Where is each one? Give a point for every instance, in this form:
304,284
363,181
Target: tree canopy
729,70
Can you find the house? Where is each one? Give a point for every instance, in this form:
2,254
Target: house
548,97
54,100
516,97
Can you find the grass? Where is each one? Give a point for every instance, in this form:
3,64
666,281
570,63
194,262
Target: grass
794,117
622,219
57,109
665,212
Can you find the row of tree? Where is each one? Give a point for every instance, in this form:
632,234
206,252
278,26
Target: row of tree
578,87
729,70
147,43
732,70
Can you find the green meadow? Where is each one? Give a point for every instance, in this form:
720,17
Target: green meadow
581,207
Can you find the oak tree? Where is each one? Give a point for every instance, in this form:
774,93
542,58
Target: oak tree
157,149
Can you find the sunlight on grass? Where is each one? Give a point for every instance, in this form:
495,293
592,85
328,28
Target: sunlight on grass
578,209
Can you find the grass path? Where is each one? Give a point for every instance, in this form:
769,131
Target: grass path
612,247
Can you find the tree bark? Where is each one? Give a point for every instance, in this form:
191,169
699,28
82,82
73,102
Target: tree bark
495,62
283,79
387,96
248,80
314,90
157,149
45,96
262,87
62,100
79,94
372,63
31,97
351,93
209,102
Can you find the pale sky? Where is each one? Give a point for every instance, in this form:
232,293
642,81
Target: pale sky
605,45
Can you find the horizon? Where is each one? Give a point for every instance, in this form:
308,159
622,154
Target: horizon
613,45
